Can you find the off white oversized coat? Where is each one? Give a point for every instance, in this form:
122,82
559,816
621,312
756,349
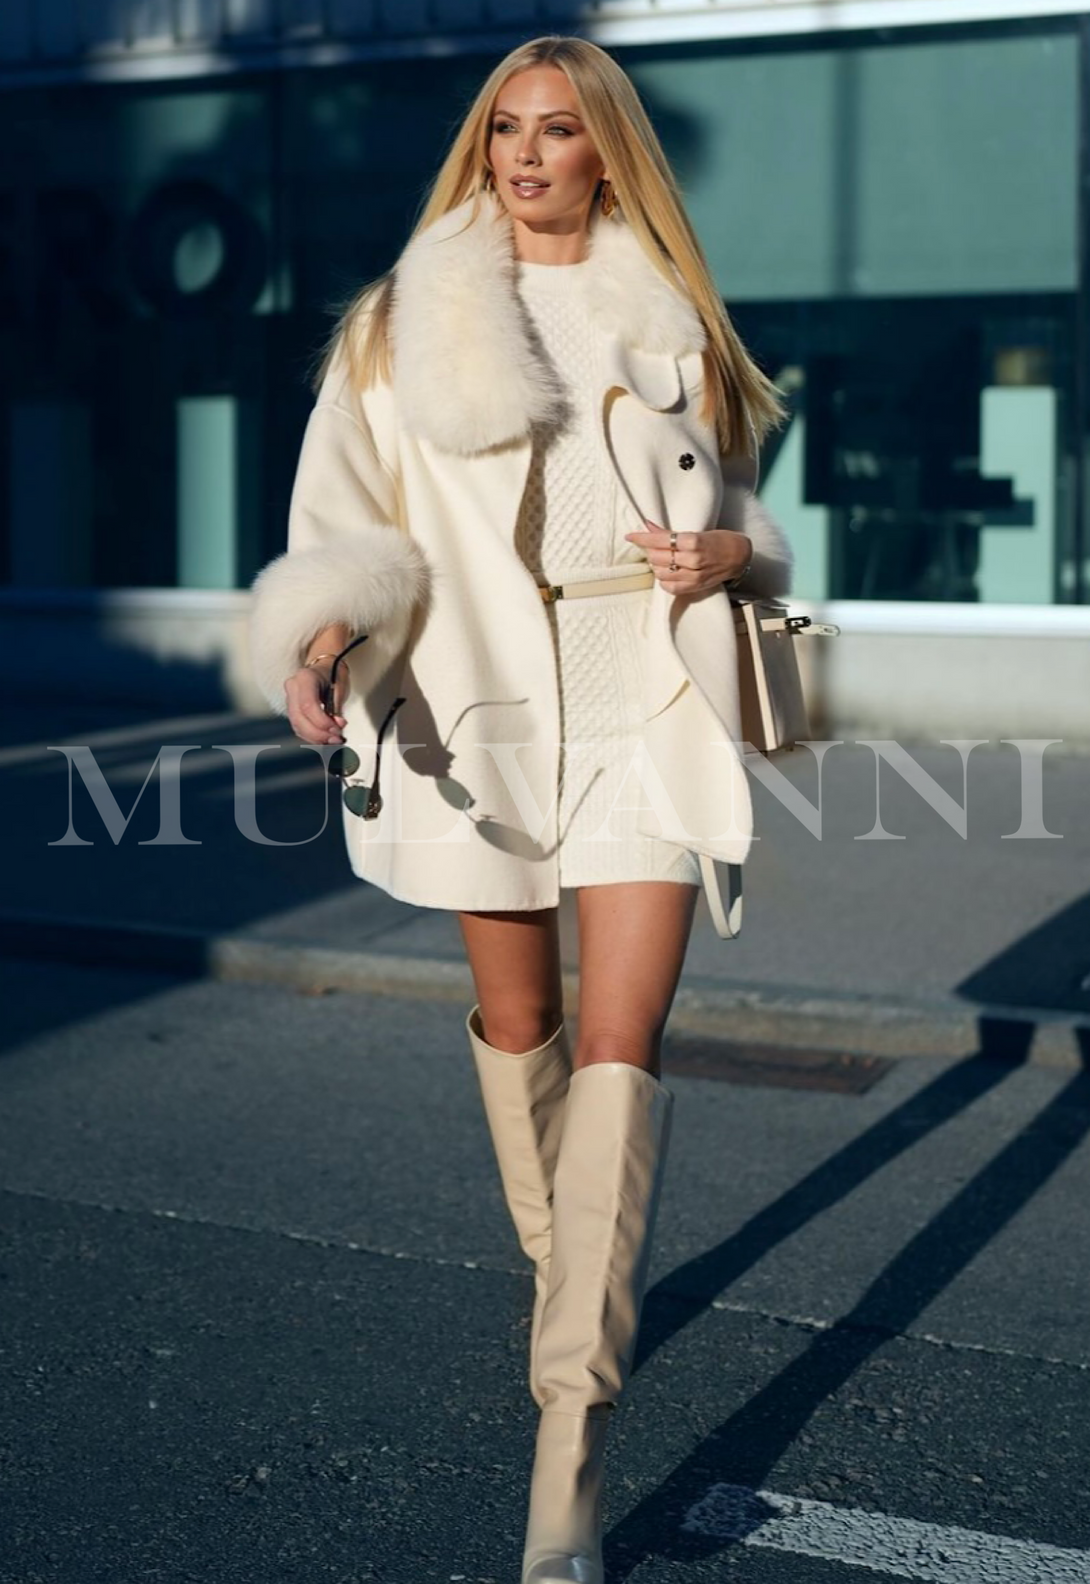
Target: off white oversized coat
402,524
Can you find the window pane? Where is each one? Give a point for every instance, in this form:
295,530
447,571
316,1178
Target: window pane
894,227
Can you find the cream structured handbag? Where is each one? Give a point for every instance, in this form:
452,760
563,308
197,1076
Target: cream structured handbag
774,716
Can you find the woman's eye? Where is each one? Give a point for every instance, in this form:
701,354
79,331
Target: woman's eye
505,126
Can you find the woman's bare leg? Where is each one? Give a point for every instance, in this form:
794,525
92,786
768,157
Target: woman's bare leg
515,962
632,942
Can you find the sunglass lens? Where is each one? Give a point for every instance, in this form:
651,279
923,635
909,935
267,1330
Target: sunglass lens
343,762
358,800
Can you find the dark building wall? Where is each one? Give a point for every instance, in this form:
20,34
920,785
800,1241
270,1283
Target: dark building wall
894,221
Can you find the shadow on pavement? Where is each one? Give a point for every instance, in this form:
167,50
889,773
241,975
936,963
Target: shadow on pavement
1049,967
62,862
746,1448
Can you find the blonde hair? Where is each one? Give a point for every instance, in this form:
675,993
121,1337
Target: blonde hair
737,394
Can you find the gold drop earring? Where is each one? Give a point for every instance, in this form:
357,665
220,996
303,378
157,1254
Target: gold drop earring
607,197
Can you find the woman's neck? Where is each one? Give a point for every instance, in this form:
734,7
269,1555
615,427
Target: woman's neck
549,247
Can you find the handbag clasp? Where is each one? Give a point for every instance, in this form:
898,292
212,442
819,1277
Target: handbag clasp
797,624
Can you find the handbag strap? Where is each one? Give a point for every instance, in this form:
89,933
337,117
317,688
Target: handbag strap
727,920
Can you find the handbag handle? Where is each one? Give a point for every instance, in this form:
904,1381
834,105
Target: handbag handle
727,920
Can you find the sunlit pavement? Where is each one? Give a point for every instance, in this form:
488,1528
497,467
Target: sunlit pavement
265,1318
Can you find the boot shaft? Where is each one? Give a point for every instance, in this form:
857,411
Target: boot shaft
606,1192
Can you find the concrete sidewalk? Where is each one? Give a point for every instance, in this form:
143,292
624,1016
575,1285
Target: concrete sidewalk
851,941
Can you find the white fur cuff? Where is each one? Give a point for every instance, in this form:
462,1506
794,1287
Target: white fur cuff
369,578
773,559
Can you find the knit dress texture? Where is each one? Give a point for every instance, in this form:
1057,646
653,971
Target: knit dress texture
572,522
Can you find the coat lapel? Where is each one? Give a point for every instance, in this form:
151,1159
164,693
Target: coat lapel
466,375
653,377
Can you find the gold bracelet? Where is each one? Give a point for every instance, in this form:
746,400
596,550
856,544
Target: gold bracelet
316,658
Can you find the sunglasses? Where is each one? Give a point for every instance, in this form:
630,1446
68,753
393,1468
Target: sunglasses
344,762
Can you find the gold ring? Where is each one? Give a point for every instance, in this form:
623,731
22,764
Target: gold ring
673,540
673,565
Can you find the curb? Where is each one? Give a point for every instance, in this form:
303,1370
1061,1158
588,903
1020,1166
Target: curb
850,1025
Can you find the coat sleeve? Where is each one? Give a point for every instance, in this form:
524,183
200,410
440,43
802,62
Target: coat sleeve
349,557
769,576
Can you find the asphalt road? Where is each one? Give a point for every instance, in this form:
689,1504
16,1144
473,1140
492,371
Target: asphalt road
264,1319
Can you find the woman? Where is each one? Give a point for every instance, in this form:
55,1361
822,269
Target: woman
527,480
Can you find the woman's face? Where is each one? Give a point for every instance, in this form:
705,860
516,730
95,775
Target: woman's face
545,164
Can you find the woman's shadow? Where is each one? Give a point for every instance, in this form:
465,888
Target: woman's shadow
745,1448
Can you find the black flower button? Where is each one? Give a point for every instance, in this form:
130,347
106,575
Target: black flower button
686,460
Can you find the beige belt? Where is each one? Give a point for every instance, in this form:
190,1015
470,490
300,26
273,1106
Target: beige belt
625,583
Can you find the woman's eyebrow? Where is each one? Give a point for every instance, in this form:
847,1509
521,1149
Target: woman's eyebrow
546,115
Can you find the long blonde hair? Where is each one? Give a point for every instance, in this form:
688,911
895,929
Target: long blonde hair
736,393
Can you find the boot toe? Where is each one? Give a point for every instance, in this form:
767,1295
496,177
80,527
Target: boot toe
563,1568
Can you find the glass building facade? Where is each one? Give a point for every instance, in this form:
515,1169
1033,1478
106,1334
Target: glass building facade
896,219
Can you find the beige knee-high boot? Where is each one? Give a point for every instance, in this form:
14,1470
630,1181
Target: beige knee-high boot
524,1098
605,1199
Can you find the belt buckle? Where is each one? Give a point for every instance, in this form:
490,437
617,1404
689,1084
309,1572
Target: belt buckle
552,592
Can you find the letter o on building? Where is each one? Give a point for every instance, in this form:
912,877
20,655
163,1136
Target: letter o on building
162,223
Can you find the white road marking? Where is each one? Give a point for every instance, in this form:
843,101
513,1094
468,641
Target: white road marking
903,1547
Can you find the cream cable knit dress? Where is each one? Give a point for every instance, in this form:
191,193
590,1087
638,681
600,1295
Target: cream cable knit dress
572,521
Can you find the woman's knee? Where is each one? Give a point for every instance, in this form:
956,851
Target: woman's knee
515,962
520,1026
638,1047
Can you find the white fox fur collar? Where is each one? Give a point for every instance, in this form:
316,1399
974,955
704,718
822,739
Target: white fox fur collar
466,375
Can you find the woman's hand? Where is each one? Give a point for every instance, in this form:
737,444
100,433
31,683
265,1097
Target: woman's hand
309,721
703,561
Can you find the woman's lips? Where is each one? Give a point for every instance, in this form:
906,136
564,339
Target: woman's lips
529,189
